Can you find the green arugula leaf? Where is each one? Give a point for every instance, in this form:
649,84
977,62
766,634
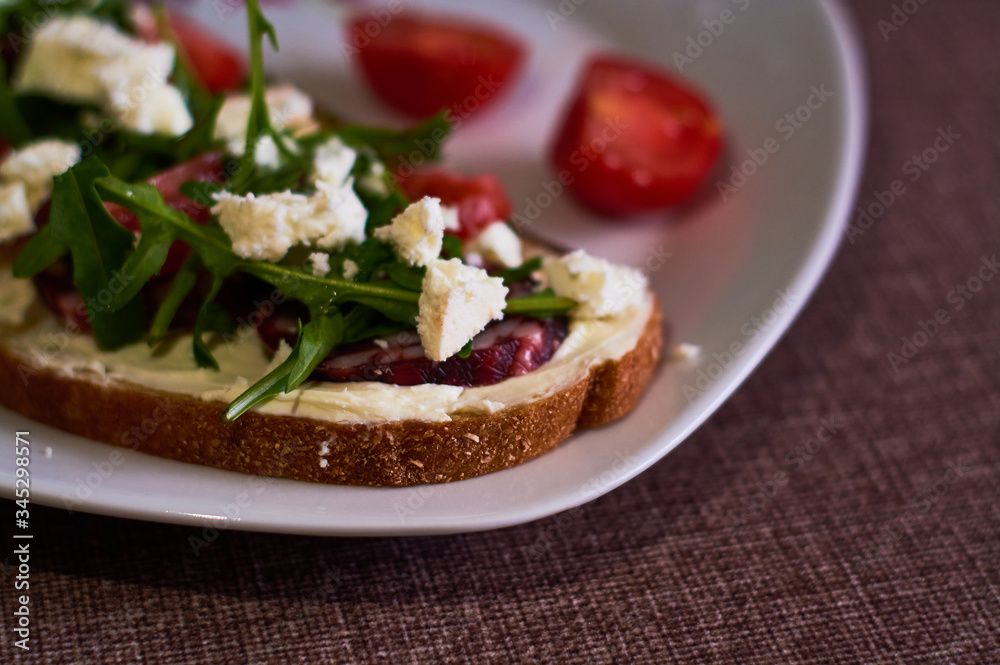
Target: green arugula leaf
369,255
426,139
394,310
98,245
287,177
362,323
451,247
319,337
259,122
315,341
201,192
40,252
268,386
540,305
13,127
466,350
210,241
381,210
211,318
185,280
143,263
410,278
521,273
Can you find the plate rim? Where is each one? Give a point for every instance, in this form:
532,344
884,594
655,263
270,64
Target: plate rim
852,66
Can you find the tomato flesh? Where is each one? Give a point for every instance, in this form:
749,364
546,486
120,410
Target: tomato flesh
634,140
480,200
420,64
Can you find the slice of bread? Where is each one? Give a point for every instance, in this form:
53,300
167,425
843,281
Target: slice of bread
400,453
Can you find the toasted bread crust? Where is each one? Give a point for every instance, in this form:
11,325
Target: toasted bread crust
395,454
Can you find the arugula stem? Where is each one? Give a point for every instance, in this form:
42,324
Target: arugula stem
277,274
181,286
259,122
539,305
258,392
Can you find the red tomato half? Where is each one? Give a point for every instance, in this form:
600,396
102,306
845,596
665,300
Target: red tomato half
422,64
219,66
635,140
480,201
208,168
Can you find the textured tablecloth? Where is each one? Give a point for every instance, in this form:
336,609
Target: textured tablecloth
879,545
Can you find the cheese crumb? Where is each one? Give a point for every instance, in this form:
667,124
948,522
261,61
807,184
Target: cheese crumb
81,60
601,288
35,164
289,108
141,100
320,264
343,215
451,222
15,216
456,302
499,244
373,182
26,182
417,233
266,227
351,269
334,161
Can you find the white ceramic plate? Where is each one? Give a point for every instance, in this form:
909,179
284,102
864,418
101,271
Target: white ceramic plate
738,270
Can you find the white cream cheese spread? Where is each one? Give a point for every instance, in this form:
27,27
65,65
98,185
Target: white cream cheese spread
243,360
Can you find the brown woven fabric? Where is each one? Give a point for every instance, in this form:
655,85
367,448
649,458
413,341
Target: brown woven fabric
881,546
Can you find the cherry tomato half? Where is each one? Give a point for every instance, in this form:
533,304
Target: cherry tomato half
421,64
480,200
219,66
634,140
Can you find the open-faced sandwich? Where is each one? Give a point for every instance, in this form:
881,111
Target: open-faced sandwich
239,281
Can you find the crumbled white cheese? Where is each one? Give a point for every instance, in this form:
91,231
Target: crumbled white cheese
351,269
343,216
35,164
416,233
333,162
451,222
15,216
65,57
266,153
266,227
499,244
263,227
160,110
289,107
82,60
373,182
26,182
320,264
456,302
602,288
